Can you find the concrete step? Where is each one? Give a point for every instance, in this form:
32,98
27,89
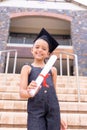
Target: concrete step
63,81
71,97
16,118
9,96
61,97
9,79
75,120
59,89
73,90
71,78
13,118
9,88
73,107
12,105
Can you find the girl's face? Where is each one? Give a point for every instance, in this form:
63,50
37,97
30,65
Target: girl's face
40,49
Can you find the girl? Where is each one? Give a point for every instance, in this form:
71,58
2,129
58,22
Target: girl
43,109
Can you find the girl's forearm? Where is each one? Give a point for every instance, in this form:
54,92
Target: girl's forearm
24,94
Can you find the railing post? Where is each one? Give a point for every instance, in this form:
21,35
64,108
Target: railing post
15,62
77,74
68,66
7,62
61,65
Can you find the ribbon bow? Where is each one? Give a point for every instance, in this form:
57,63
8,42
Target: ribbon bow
44,81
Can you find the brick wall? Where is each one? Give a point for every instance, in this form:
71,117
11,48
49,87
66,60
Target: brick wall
4,27
79,39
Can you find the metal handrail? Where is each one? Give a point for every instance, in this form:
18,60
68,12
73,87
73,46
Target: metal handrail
7,60
68,70
69,54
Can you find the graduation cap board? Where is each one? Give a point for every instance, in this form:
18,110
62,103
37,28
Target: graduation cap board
48,38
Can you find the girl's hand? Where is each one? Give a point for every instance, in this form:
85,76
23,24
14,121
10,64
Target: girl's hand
63,125
33,86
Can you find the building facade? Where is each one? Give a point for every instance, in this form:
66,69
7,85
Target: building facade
66,21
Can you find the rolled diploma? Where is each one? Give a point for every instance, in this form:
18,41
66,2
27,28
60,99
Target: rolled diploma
44,72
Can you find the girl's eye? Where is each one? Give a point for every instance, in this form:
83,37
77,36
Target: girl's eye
44,49
37,47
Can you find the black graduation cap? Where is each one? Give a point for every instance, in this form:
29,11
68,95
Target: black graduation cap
48,38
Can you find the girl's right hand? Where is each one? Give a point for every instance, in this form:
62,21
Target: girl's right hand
33,86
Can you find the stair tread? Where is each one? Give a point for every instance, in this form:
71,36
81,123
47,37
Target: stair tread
17,117
65,90
22,106
61,97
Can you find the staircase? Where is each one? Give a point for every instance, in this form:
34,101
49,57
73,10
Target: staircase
13,115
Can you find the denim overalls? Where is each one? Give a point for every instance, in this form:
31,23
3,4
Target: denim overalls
43,109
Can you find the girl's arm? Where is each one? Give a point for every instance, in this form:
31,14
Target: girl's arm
25,71
54,75
24,87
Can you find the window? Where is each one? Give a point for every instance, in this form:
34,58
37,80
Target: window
23,38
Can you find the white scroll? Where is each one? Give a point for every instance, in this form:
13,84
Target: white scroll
44,72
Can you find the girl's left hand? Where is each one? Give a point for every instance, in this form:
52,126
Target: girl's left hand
63,125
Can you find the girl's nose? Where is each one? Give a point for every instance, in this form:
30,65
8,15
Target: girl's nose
40,49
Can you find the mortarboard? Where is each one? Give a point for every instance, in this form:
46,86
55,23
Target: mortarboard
48,38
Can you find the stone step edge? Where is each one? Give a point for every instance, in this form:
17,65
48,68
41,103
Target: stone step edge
65,90
15,118
22,106
61,97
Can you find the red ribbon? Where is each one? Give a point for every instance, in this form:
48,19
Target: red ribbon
44,81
